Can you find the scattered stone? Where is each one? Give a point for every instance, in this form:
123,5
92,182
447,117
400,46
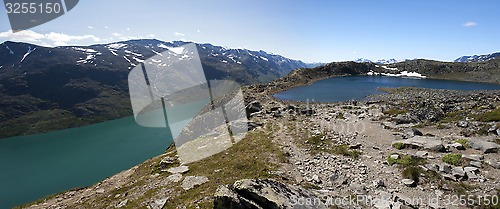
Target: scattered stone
122,203
394,156
100,191
378,183
174,178
191,181
180,169
463,124
408,182
484,146
262,193
315,179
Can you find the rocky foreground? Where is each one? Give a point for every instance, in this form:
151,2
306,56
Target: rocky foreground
410,148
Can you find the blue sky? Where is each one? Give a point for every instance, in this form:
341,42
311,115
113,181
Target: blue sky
312,31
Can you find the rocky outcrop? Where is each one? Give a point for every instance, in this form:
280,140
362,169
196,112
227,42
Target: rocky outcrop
263,193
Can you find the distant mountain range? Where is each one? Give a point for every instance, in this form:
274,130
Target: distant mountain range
43,88
381,61
478,58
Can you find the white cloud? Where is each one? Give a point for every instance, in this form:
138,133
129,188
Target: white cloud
106,27
198,30
90,27
116,34
128,29
469,24
179,34
48,39
151,35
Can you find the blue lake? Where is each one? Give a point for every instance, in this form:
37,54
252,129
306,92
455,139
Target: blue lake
339,89
35,166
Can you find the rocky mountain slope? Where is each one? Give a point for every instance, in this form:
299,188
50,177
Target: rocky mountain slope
410,148
43,89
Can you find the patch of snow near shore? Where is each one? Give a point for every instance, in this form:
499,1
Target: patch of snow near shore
401,74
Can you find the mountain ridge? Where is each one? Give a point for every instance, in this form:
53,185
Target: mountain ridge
52,88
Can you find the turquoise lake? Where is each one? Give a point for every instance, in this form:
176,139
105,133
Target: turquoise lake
35,166
339,89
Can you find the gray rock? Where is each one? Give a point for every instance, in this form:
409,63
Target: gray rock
494,164
355,146
180,169
458,172
174,178
428,143
474,157
166,161
475,164
449,177
122,203
158,204
315,179
445,168
484,146
411,132
421,154
263,193
408,182
394,156
253,107
463,124
432,167
191,181
458,146
378,183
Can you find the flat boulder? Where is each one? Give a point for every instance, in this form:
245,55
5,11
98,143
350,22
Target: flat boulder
264,193
484,146
429,143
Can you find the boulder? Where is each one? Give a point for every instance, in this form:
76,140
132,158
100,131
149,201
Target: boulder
253,107
484,146
264,193
191,181
428,143
458,146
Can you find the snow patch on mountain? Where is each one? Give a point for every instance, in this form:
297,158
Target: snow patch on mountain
27,53
10,51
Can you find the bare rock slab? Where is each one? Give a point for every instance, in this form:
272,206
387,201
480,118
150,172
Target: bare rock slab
263,193
191,181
